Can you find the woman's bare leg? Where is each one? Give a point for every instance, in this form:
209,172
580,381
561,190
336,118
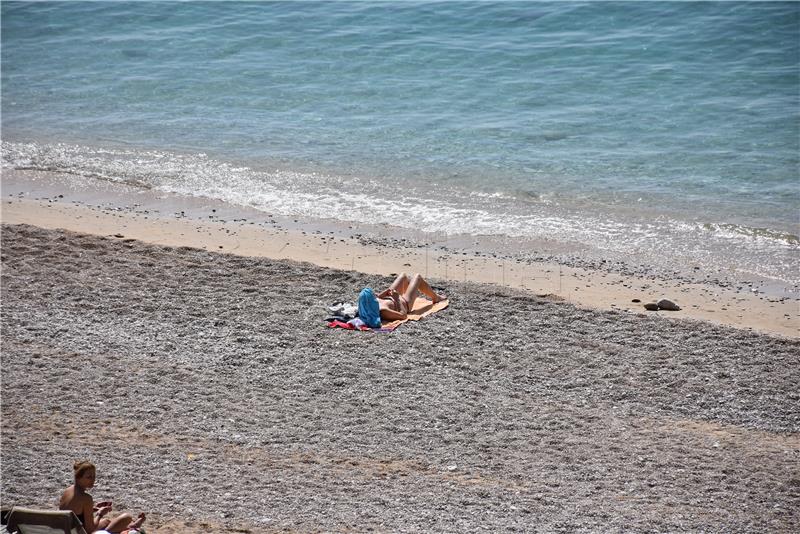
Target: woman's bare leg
420,285
119,523
400,283
124,522
139,520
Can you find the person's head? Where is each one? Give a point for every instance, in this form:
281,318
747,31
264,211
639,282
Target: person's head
84,474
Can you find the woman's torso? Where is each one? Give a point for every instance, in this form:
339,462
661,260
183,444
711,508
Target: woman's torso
75,502
389,304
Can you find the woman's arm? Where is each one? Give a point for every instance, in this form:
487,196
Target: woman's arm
89,523
392,315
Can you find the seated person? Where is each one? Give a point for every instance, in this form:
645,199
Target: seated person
76,499
396,301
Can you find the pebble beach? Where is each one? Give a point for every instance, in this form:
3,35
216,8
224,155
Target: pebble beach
211,395
606,192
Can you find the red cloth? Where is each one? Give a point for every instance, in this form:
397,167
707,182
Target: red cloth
340,324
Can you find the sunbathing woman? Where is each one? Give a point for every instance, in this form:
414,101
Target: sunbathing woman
76,498
396,301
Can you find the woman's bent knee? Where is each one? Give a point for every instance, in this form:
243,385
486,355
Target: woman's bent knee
120,523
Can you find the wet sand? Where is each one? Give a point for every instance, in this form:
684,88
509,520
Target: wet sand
107,209
210,394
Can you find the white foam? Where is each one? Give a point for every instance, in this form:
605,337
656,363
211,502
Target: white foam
368,201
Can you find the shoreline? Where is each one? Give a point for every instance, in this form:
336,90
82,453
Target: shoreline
106,209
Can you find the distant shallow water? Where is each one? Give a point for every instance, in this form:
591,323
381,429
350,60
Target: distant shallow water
656,129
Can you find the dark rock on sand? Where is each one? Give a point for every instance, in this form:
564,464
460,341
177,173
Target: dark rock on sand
666,304
651,306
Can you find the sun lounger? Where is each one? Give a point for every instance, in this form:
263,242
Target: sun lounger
30,521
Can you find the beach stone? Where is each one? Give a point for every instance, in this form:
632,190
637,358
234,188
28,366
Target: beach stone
666,304
191,388
651,306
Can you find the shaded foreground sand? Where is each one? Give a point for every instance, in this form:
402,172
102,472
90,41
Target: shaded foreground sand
210,395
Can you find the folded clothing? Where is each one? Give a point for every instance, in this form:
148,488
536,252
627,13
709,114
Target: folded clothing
344,309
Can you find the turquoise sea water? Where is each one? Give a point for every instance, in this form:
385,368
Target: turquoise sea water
627,127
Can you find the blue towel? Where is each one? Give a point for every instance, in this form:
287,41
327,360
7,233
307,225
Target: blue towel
368,309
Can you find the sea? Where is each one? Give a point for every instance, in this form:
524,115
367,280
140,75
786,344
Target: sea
663,131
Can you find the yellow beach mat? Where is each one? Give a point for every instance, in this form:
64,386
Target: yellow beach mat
422,307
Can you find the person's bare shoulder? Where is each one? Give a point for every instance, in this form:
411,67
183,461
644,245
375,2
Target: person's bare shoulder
66,498
70,500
